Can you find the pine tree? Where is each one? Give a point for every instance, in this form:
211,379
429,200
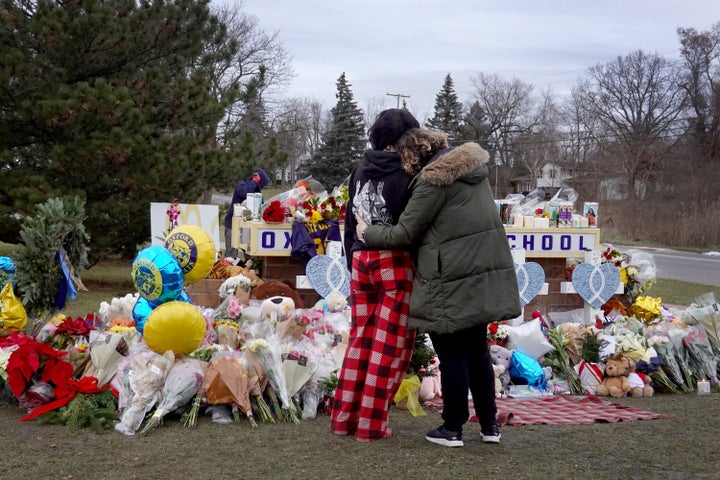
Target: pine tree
344,142
112,100
448,111
476,127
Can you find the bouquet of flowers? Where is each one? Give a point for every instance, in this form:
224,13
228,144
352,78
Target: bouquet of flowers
299,362
705,312
637,269
670,365
559,361
700,354
319,385
182,383
227,381
146,380
268,352
34,370
258,387
497,333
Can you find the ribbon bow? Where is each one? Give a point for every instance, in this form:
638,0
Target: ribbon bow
67,392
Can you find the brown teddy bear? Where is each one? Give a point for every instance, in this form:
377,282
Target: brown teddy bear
275,289
615,383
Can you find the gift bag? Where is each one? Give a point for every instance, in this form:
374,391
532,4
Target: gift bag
12,312
590,376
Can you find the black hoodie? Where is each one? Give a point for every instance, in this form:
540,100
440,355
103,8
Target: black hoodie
377,192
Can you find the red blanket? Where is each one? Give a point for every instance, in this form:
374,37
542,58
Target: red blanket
561,410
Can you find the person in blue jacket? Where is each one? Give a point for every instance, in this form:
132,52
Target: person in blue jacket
254,184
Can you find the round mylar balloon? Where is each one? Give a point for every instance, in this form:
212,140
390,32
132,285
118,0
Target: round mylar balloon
140,313
176,326
194,249
157,274
7,271
526,367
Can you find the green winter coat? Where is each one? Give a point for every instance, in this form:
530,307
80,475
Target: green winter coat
464,270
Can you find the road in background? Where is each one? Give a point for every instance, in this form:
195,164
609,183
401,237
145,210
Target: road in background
684,266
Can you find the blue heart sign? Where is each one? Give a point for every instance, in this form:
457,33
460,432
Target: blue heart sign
530,278
596,284
328,274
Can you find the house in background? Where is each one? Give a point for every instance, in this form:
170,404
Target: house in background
550,178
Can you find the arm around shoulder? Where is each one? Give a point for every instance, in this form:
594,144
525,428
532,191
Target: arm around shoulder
422,208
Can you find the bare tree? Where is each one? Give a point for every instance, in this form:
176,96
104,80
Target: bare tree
632,106
373,107
539,144
299,125
701,65
260,55
508,106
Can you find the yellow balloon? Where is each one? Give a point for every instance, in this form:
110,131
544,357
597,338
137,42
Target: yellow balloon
194,249
177,326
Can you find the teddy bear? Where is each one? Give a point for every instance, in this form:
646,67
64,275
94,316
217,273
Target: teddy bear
275,288
502,357
334,303
615,383
639,383
499,389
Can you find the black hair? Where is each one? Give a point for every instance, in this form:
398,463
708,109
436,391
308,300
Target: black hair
389,126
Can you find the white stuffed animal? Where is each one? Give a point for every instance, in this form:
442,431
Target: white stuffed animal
275,309
334,303
498,370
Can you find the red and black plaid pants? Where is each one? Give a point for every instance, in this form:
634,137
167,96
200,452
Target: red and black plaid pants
380,344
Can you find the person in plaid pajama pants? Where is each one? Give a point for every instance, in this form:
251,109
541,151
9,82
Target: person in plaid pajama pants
380,343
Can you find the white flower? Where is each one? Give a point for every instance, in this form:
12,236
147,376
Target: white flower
4,360
233,283
502,331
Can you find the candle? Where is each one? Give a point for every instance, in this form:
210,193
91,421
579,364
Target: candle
703,387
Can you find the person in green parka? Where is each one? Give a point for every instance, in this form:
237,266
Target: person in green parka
465,276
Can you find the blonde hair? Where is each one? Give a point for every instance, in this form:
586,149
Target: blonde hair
418,146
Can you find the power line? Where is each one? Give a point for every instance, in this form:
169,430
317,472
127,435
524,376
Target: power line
398,96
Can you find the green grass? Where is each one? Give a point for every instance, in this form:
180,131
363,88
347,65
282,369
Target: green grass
675,292
7,249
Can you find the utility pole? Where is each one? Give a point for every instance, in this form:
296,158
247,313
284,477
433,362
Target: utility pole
398,96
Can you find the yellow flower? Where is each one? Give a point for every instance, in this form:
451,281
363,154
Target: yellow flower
624,275
315,217
258,345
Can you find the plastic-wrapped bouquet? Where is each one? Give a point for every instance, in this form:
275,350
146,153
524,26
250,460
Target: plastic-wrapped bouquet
228,382
700,354
182,383
670,369
268,352
146,379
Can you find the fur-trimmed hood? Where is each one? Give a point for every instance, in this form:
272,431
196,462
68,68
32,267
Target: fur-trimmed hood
451,164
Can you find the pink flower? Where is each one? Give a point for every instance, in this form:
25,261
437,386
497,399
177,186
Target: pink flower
235,307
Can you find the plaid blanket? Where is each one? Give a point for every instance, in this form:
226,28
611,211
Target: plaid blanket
561,410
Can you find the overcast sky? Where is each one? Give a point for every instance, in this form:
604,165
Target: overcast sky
407,47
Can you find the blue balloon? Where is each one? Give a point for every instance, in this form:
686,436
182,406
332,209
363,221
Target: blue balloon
141,312
157,275
7,271
525,367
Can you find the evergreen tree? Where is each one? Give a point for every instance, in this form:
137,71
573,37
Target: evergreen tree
111,100
448,111
476,127
344,142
